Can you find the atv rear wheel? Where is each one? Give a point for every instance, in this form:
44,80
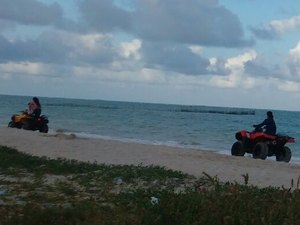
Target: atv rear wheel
260,151
285,155
237,149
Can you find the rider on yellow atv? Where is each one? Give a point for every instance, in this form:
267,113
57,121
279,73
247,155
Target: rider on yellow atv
31,118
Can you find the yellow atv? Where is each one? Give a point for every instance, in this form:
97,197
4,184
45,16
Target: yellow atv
28,122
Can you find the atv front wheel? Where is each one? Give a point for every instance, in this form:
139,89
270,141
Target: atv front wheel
285,155
27,126
237,149
260,151
44,128
11,124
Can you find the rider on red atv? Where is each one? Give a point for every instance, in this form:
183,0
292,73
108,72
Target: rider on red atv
268,124
262,144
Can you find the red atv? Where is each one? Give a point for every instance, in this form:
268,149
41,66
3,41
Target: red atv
261,145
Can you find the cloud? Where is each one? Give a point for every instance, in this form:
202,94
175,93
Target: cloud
169,35
289,86
293,62
9,70
131,49
238,63
176,58
163,39
283,26
30,12
98,50
236,77
195,22
60,47
295,53
277,28
288,68
104,15
250,71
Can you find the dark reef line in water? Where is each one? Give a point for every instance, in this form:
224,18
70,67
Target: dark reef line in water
171,109
236,112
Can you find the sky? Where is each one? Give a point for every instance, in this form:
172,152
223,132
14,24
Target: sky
236,53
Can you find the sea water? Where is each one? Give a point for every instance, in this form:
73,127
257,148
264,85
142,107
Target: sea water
197,127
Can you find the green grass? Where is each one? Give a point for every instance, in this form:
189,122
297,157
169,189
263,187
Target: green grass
37,190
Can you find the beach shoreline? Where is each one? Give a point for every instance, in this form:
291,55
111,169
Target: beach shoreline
261,173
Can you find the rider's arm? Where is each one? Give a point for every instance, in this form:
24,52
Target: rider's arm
261,124
36,113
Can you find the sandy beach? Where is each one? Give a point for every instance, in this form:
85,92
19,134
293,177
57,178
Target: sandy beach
262,173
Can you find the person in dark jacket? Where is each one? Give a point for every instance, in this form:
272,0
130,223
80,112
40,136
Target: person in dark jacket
268,124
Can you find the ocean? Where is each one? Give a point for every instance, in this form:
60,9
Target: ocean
198,127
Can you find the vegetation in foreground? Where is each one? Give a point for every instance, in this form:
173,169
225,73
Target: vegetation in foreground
37,190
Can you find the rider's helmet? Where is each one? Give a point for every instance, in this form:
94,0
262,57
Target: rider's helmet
270,114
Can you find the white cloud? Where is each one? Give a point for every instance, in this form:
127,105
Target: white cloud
238,63
292,66
213,64
277,28
89,42
131,49
26,68
283,26
237,76
295,53
196,49
84,44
